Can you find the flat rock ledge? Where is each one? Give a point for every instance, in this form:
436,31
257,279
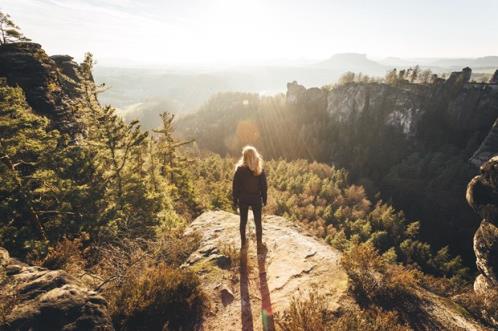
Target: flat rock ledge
247,288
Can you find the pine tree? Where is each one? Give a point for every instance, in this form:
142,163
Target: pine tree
173,167
9,31
25,147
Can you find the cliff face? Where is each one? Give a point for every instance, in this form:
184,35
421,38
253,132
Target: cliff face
464,111
412,143
51,84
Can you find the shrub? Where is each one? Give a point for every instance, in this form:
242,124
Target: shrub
483,309
173,248
310,314
373,280
232,254
65,255
369,320
156,297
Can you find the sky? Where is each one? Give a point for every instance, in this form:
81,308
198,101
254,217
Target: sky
257,31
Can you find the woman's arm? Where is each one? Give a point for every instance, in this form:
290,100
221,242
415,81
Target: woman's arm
236,188
264,187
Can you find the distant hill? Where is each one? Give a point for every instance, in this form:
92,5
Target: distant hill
354,62
480,62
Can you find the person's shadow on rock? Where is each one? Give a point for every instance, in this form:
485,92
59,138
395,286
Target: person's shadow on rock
245,300
266,307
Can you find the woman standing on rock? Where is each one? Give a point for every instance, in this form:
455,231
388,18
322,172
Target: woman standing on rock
249,189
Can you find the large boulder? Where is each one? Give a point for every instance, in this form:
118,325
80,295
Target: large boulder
42,299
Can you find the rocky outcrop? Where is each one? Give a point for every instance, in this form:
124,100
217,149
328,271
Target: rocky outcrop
494,78
246,289
312,98
400,108
488,147
35,298
462,109
293,265
51,85
482,196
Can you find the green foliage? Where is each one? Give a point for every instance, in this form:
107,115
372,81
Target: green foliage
117,148
112,182
27,173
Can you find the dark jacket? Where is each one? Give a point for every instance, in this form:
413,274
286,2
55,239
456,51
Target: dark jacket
248,188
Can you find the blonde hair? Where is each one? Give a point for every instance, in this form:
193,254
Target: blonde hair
252,159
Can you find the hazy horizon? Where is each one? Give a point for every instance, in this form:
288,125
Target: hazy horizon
194,32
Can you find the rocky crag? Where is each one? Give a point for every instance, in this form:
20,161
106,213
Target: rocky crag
249,291
35,298
52,85
482,196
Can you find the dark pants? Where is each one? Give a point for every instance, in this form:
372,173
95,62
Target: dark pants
256,211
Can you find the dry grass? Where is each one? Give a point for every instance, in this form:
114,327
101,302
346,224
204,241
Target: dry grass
66,255
232,254
145,288
173,248
7,299
156,297
373,319
311,314
483,309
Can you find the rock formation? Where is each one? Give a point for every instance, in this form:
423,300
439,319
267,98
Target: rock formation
35,298
51,84
494,78
482,196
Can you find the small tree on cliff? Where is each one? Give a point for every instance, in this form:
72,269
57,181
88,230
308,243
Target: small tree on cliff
9,31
